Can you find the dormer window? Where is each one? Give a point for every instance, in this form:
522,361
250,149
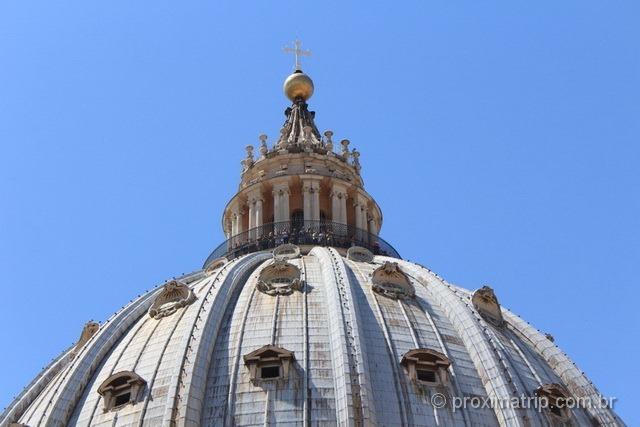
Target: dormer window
425,366
388,280
554,397
279,278
121,389
486,303
269,363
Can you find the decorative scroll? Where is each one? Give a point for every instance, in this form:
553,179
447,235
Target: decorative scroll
485,301
279,278
359,254
389,281
286,251
89,330
175,295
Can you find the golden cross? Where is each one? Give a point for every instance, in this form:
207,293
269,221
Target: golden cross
298,52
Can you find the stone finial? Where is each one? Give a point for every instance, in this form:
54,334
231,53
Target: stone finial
345,147
249,149
328,141
263,145
356,159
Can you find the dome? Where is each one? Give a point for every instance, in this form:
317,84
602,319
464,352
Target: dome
353,352
306,316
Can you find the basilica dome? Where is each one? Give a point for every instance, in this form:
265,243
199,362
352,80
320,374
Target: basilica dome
304,315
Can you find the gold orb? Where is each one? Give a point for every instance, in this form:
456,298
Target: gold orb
298,86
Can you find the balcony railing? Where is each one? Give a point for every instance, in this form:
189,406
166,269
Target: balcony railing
301,233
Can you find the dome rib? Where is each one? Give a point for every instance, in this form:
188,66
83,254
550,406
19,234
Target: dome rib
234,280
345,341
496,385
352,395
85,365
400,386
21,404
571,376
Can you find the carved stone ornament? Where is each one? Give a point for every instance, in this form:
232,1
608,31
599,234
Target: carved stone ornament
216,264
279,278
286,251
426,366
359,254
389,281
175,295
120,389
89,330
485,301
269,363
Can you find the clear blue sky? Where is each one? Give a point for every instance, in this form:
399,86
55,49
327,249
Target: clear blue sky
499,138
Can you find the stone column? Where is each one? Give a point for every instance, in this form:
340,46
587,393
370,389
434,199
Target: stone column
281,202
339,207
259,216
373,227
311,199
360,205
236,223
254,199
227,228
252,218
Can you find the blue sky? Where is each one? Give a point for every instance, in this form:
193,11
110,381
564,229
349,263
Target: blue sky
499,138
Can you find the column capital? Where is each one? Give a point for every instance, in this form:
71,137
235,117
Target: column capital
236,209
254,194
310,185
338,189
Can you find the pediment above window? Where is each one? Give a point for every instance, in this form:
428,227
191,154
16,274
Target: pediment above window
390,281
485,301
173,296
